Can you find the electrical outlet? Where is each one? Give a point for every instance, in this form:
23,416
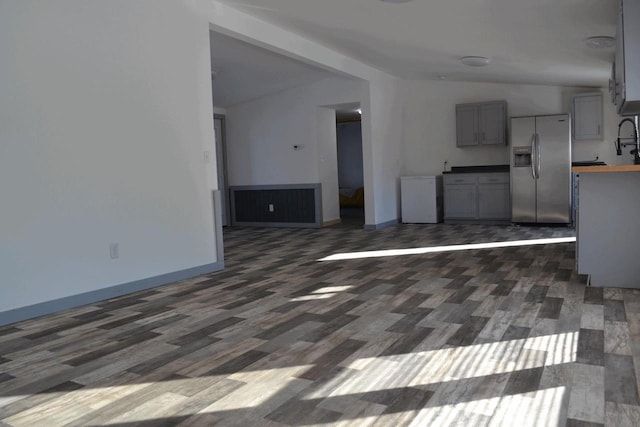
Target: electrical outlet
114,251
271,207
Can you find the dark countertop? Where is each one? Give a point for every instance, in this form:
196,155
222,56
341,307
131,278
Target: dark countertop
589,163
478,169
505,168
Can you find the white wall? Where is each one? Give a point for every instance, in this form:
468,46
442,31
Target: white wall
325,129
429,122
349,136
261,135
104,116
382,122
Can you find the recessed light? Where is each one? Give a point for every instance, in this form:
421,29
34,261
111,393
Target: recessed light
600,42
475,61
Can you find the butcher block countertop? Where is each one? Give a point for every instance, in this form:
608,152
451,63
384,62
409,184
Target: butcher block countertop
601,169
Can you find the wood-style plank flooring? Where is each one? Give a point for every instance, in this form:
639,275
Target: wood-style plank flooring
493,336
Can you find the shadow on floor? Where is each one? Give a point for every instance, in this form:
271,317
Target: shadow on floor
351,217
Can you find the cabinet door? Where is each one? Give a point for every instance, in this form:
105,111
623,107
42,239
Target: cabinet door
466,125
587,117
460,201
619,61
493,123
494,201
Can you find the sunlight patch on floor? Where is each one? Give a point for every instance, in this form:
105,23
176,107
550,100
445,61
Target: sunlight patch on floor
450,364
536,408
332,289
273,386
323,293
64,405
165,397
311,297
452,370
448,248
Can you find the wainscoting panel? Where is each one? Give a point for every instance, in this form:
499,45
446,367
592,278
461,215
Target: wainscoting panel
292,205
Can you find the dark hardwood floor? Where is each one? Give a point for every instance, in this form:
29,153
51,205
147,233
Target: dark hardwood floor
340,326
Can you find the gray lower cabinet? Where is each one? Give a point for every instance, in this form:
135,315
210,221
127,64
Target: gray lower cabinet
461,196
482,197
494,196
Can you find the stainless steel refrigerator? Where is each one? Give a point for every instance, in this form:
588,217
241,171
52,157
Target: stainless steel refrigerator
541,169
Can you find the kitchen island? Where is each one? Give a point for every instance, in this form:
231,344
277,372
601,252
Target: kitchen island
607,226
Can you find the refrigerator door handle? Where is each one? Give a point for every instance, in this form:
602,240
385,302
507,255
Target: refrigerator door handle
533,163
538,150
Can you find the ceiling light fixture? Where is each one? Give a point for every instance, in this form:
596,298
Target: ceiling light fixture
600,42
475,61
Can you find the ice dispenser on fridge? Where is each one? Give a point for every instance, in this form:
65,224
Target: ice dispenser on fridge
521,157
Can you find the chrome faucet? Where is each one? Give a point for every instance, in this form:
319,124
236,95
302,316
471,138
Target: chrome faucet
619,142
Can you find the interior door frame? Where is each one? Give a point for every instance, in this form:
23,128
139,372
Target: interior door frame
224,188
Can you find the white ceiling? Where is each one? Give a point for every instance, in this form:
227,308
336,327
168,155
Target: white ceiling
245,72
528,41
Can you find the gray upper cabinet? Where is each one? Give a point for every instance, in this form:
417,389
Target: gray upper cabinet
587,117
493,123
481,124
466,125
626,85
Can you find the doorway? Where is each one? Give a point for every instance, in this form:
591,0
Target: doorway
221,163
350,165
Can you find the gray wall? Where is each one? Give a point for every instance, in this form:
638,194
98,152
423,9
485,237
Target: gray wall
349,136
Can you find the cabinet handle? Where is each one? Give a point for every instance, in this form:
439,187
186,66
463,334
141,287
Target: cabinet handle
459,180
493,179
598,129
484,137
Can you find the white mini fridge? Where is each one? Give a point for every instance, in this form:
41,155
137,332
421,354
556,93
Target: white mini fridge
421,199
